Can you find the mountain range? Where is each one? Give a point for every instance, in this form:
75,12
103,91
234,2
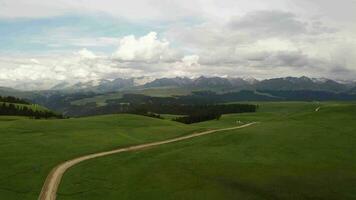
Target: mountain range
103,96
210,83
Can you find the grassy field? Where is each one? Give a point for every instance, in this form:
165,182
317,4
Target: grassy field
29,149
294,153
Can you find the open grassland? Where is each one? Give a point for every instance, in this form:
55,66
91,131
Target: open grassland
294,153
29,149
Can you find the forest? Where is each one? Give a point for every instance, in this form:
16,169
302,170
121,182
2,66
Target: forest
16,110
10,99
192,113
14,106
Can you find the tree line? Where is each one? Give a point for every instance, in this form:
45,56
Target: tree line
15,110
202,115
188,109
192,113
194,110
11,99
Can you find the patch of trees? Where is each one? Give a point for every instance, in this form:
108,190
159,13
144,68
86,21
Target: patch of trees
192,113
202,115
58,101
183,109
10,99
198,107
15,110
148,106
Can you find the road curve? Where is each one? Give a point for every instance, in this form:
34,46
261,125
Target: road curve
49,189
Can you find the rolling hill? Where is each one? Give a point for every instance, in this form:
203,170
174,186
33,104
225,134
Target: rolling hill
294,153
293,145
30,148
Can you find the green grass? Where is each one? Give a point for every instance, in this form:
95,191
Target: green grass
294,153
29,149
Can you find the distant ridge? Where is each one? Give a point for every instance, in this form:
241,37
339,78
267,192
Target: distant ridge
106,96
204,83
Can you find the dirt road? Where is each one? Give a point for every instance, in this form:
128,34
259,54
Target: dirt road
49,189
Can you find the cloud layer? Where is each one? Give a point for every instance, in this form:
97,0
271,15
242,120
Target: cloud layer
172,38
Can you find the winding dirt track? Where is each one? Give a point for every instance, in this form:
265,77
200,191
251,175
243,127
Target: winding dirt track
49,189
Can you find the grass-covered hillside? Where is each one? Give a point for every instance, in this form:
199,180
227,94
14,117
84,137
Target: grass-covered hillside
294,153
30,148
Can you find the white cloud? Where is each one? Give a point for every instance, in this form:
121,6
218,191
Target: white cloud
147,48
86,54
190,60
82,66
35,61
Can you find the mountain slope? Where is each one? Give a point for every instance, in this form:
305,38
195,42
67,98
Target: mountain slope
302,83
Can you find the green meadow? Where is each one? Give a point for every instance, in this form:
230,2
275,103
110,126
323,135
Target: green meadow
29,148
293,153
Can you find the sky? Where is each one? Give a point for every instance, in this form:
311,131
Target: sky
43,43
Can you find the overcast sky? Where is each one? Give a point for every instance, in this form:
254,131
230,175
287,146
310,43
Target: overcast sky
46,42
